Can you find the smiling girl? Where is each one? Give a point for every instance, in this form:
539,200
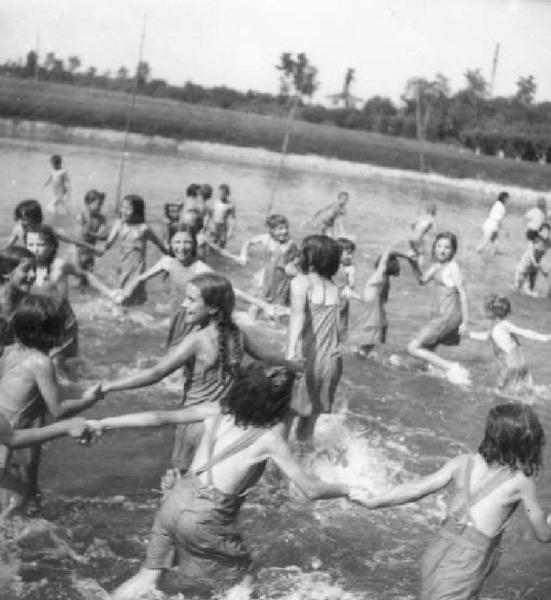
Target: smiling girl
450,312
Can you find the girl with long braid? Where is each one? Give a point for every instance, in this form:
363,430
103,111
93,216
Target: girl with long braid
210,355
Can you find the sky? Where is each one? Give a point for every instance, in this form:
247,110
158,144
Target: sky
238,42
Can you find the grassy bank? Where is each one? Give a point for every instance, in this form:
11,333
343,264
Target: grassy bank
76,106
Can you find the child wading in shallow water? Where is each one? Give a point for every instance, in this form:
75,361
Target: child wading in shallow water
529,266
133,234
450,313
210,354
489,486
314,331
492,224
330,219
93,228
513,377
196,526
29,389
61,187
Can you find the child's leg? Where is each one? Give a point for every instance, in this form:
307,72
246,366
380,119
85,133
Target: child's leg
415,349
144,582
305,428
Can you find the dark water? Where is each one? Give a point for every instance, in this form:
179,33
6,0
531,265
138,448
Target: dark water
100,501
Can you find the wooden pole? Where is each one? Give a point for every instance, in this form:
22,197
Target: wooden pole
129,115
419,126
283,150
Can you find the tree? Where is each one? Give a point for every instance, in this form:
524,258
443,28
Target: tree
49,61
122,73
74,63
143,72
429,99
526,90
31,65
476,84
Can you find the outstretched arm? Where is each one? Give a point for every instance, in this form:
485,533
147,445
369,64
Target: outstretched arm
479,336
258,239
528,333
155,239
540,525
299,288
412,490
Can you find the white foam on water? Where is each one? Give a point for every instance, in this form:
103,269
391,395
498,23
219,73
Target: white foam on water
458,375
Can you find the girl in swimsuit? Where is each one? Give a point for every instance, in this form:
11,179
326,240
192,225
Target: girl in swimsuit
489,486
329,220
314,323
29,388
514,377
196,527
210,355
450,312
133,234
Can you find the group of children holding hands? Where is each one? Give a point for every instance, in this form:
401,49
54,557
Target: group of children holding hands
233,419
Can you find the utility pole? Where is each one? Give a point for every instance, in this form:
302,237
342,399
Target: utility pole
494,69
419,126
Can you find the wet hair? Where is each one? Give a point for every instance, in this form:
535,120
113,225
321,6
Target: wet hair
10,258
498,306
206,191
321,254
29,209
446,235
192,190
540,239
170,205
260,396
514,438
274,221
49,236
138,209
184,228
217,293
55,159
342,195
92,196
37,323
503,196
346,244
197,221
545,226
392,265
225,187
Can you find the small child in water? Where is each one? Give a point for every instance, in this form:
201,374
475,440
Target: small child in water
172,212
489,485
345,279
529,266
513,377
93,228
375,295
329,220
223,217
492,224
61,187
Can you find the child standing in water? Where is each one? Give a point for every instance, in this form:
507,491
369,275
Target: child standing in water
93,228
514,377
492,224
61,187
314,330
489,486
345,280
133,234
223,217
330,219
210,353
419,230
450,313
172,212
282,254
29,388
375,295
529,266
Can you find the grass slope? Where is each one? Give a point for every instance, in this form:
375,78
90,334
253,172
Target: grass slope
88,107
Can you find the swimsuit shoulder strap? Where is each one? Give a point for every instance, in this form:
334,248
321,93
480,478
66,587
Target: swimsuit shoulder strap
244,441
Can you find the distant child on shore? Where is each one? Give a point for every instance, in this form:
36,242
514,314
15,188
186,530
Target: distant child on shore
492,224
489,485
29,387
172,212
223,217
61,187
375,295
93,228
282,256
513,375
526,272
133,234
345,279
450,315
330,219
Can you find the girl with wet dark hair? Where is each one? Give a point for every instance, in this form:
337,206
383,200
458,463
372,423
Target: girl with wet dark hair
314,323
489,486
29,388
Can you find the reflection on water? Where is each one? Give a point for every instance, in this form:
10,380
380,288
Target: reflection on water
391,423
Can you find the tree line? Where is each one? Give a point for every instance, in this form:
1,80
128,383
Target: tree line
513,127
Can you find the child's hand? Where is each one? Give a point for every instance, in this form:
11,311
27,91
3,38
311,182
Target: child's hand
76,427
463,329
120,295
93,394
